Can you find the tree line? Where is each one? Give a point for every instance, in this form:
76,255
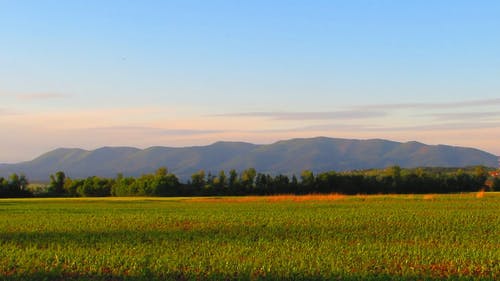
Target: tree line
249,182
14,186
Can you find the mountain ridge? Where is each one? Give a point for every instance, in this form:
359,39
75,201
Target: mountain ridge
286,156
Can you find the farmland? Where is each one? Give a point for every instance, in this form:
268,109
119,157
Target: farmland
314,237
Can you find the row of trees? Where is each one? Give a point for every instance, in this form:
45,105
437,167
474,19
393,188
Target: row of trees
15,186
249,182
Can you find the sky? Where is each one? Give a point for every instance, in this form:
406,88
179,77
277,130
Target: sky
88,74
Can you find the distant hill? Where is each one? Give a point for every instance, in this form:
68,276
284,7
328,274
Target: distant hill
286,157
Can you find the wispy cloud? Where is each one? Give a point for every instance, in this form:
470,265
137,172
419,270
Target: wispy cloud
466,115
333,128
138,130
316,128
443,105
373,111
441,127
7,112
320,115
41,96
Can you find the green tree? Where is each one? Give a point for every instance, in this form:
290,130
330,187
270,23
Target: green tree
495,186
481,175
162,171
198,179
164,184
307,181
248,177
294,184
233,183
281,184
210,181
71,186
124,186
222,179
95,187
220,182
57,183
262,183
15,186
15,183
23,182
394,172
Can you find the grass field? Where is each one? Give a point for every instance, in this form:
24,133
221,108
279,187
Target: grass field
393,237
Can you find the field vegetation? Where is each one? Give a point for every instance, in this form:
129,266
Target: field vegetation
286,237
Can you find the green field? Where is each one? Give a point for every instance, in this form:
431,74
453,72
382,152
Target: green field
394,237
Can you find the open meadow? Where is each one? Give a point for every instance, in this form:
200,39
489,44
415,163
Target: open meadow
315,237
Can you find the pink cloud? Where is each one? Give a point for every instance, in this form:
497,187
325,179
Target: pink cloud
41,96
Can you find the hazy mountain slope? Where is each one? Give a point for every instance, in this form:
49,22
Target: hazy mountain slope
290,156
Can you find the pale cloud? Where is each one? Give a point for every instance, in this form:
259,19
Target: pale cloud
152,131
443,105
466,115
370,112
81,118
317,128
297,116
8,112
441,127
41,96
415,128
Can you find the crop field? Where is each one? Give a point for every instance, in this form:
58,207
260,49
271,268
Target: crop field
315,237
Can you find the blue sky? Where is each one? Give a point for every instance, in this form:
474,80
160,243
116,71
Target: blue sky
175,73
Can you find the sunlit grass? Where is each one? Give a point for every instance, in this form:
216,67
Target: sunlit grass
272,198
319,237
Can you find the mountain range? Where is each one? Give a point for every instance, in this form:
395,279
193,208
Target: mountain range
285,157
